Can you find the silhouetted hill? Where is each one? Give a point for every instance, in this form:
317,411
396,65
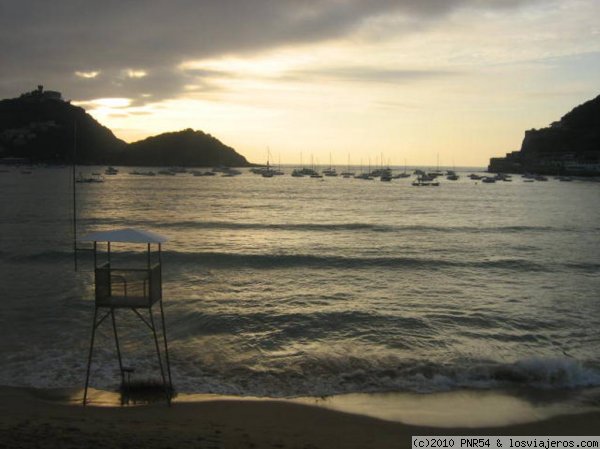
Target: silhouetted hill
184,148
41,127
570,145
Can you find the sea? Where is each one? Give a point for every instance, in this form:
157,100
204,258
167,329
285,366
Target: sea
290,287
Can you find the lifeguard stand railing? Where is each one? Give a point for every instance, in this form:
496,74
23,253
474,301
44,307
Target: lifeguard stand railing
136,289
127,287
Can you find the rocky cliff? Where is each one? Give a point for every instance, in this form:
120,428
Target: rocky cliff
568,146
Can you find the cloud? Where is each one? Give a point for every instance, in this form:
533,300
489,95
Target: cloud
134,48
87,75
367,74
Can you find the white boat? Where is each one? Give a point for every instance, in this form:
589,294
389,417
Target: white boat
96,177
425,181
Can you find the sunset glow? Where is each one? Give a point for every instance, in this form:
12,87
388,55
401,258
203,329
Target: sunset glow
412,81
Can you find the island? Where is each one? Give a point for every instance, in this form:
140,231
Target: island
41,127
569,146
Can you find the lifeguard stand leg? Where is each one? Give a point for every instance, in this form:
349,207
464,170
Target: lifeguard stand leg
89,364
114,323
164,329
160,363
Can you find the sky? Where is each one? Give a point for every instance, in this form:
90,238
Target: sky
403,81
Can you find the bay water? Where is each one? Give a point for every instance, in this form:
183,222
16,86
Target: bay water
286,287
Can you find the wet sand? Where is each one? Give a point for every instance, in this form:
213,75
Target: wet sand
43,419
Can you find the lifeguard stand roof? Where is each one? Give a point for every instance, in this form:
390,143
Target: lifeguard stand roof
127,235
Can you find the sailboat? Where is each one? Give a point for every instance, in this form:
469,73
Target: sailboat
425,181
299,172
451,174
268,171
330,171
348,173
404,174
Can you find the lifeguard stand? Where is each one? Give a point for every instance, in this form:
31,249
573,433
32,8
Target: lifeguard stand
137,289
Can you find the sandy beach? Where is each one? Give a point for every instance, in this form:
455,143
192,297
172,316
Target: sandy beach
42,419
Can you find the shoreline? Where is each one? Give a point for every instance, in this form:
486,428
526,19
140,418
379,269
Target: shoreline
46,418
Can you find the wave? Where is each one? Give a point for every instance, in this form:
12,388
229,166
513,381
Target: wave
217,259
320,227
223,260
215,370
277,261
324,376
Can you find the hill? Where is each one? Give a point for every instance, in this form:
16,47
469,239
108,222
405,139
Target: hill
43,128
568,146
183,148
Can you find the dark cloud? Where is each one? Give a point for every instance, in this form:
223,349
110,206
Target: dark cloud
47,42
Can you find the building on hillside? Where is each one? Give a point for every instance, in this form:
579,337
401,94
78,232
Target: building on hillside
41,95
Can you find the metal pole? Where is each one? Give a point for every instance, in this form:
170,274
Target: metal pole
162,314
89,364
160,364
112,314
149,262
74,196
164,326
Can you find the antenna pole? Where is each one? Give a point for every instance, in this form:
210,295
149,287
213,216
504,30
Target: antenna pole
74,195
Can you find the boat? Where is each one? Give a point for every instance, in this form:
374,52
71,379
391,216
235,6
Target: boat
451,175
488,180
425,181
385,175
95,178
348,174
230,172
307,171
404,174
330,171
111,171
266,172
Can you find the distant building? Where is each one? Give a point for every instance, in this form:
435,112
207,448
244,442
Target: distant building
41,95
